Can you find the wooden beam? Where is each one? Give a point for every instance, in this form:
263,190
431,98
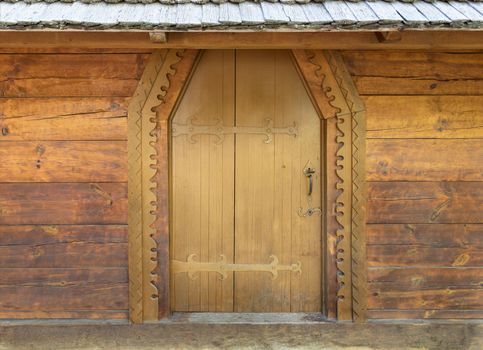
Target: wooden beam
389,37
158,37
458,40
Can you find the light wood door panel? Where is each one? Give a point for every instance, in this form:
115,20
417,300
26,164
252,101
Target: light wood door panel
270,186
203,186
240,197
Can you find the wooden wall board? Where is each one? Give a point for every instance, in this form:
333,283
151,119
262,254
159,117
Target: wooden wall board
68,87
422,160
406,64
429,314
409,117
121,315
408,255
63,161
445,298
426,235
69,75
49,234
107,296
73,255
388,85
72,66
62,276
61,293
425,202
63,233
76,118
416,278
61,203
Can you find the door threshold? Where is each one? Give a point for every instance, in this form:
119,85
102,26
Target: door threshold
248,318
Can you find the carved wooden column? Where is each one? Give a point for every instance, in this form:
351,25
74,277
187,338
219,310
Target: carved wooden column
334,94
148,154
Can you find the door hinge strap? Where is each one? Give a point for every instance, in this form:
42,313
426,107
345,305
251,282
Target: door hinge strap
219,130
192,267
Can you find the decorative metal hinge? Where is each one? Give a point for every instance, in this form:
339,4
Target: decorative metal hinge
220,130
192,267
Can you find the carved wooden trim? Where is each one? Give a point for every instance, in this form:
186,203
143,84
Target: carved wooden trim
315,77
333,92
138,139
160,106
358,215
148,181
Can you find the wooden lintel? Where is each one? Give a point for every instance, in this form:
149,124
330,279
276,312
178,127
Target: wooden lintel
410,40
389,37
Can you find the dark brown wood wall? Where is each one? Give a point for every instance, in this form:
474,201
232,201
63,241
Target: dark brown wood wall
425,182
63,183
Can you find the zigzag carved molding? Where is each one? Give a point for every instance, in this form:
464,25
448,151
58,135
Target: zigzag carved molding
153,102
332,90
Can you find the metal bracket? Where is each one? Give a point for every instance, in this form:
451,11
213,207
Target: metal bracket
192,267
309,212
219,130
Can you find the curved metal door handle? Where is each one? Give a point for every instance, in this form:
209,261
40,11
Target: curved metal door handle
309,172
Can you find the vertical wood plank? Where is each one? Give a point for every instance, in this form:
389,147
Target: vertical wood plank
202,183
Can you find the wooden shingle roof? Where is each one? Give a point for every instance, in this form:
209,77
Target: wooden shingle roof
240,14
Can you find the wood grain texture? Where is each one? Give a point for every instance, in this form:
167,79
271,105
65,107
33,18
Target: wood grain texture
425,160
388,85
76,254
438,65
424,116
63,203
270,186
203,186
425,202
445,298
72,66
135,181
409,255
364,40
425,314
425,123
329,147
57,87
63,195
358,183
66,314
62,246
428,235
103,296
317,79
63,161
44,235
63,119
390,279
62,276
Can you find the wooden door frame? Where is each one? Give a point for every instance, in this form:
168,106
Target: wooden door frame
343,125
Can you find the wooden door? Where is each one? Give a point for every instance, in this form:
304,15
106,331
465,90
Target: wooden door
242,136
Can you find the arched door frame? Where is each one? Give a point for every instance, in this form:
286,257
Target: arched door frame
342,112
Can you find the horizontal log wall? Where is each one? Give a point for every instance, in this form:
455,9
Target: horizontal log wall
425,182
63,183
